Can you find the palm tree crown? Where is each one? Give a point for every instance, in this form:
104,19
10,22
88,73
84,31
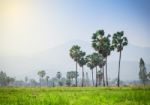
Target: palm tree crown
75,52
119,41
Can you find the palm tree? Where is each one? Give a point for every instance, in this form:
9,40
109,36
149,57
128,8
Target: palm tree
118,42
41,74
59,76
102,44
75,54
69,78
82,61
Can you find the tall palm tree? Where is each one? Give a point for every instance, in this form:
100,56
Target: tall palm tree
106,52
102,44
118,42
41,74
75,54
82,61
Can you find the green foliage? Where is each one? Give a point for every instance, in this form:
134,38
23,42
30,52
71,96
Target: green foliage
4,79
119,41
94,60
75,96
82,61
101,43
41,73
75,52
70,76
90,62
59,75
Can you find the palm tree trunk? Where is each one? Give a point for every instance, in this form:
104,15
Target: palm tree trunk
96,76
118,83
76,73
82,76
92,78
106,73
103,77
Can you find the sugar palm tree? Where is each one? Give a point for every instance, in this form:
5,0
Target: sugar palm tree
41,74
102,44
118,42
82,61
75,55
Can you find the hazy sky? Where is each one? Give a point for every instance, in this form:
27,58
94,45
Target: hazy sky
31,26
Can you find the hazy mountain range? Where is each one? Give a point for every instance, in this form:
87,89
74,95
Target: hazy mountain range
58,59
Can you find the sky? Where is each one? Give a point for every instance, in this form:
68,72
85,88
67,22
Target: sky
32,26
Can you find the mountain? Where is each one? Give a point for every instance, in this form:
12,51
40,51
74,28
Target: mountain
58,59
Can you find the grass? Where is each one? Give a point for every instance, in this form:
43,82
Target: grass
75,96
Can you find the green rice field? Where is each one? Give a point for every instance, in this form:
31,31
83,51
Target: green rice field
74,96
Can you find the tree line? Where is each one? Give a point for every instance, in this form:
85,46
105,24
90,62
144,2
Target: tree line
103,47
70,78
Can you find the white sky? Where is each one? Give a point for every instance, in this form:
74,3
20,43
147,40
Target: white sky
30,26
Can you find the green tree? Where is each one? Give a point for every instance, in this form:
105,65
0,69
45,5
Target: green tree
41,74
5,80
102,44
142,73
69,78
59,76
75,55
118,42
82,61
